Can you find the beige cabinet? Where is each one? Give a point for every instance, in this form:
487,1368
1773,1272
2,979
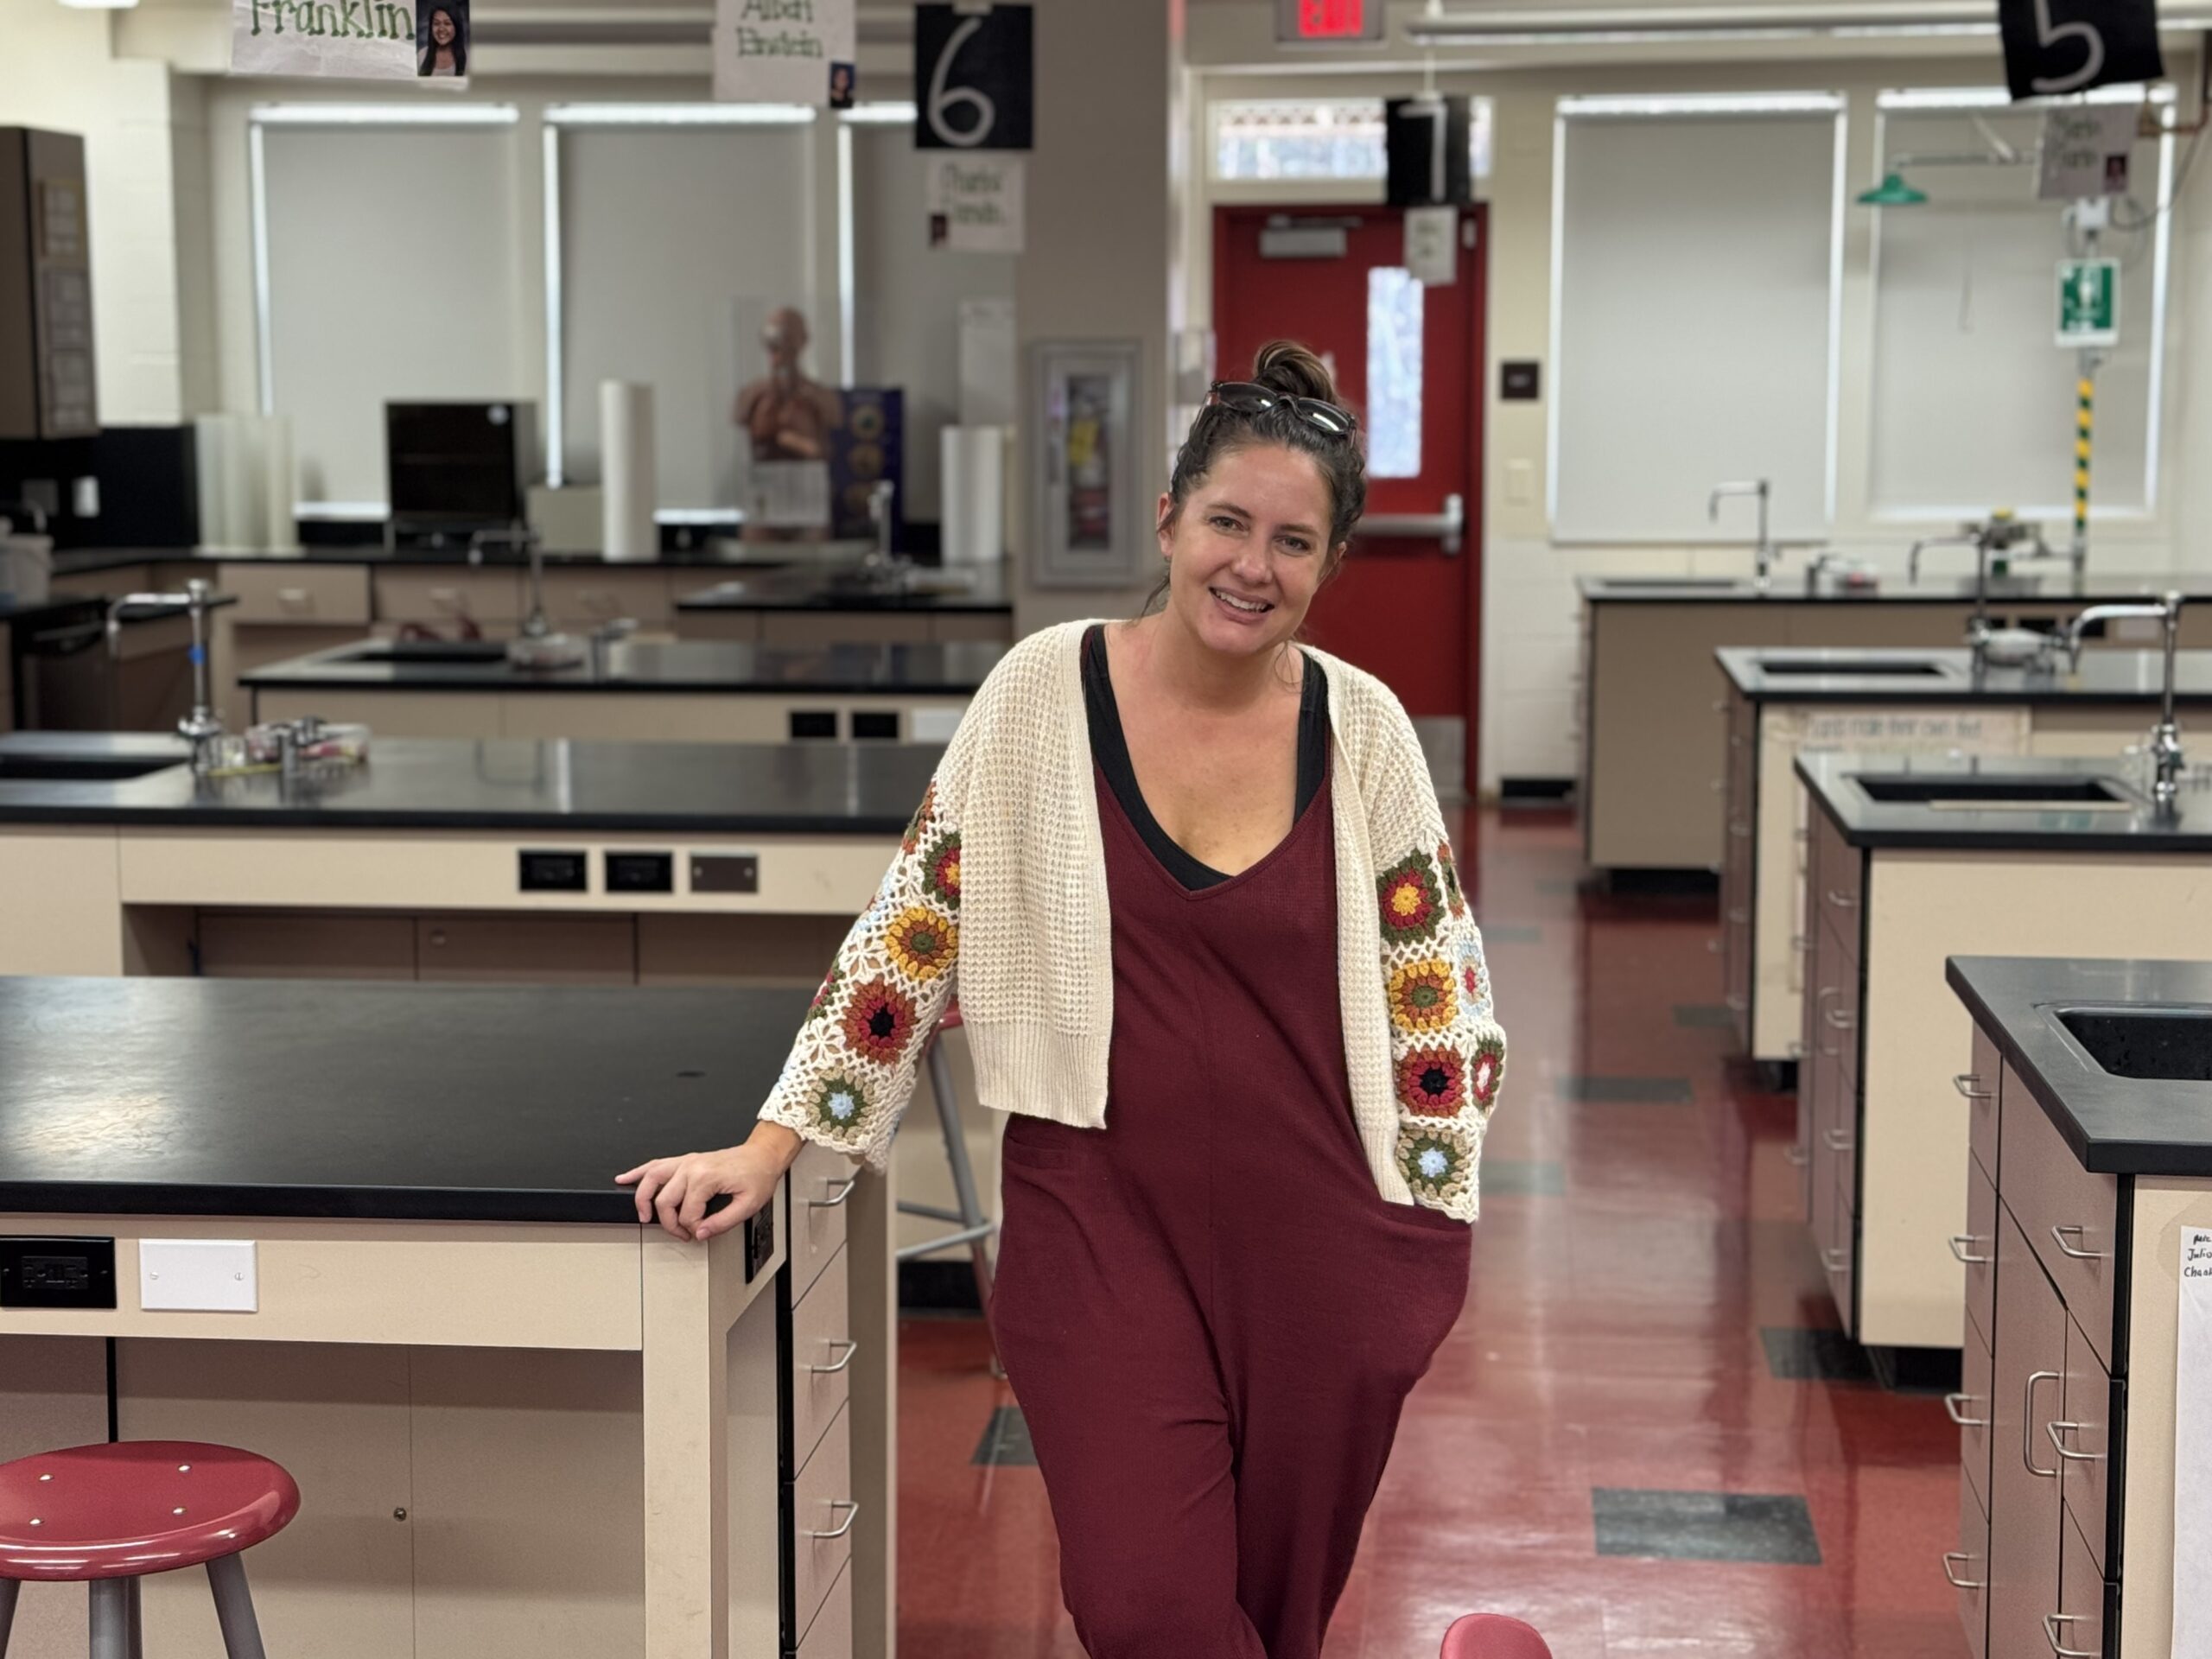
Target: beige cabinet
527,950
442,596
578,599
1827,1077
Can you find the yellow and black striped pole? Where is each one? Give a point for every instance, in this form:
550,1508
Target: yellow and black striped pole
2085,420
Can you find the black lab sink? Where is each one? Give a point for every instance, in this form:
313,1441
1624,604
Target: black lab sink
1989,790
2167,1045
439,652
78,768
1885,667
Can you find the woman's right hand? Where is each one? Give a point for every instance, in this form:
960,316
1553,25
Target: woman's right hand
678,1190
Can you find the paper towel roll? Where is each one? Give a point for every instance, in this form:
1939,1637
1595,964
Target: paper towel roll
280,530
973,491
626,450
230,505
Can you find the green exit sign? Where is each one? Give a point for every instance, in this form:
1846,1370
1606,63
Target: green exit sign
2089,302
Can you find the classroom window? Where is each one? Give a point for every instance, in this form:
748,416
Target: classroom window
1283,138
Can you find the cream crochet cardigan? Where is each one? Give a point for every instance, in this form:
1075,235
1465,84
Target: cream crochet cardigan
1000,886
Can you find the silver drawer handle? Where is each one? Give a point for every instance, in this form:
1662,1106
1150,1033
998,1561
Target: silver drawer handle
1959,1247
1841,899
1797,1155
292,596
2058,1432
850,1348
1958,1583
2058,1236
1955,1404
1739,829
1841,1019
1721,705
1800,945
1719,786
1739,916
2050,1624
1833,1265
844,1193
1737,1002
852,1514
2028,1416
1797,1049
1836,1140
1964,1083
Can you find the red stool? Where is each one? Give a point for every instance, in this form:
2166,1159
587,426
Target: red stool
1492,1636
105,1516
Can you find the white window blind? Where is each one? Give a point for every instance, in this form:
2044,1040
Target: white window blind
392,272
1973,401
1693,306
667,234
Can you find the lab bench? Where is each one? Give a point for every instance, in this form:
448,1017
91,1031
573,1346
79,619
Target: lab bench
2085,1166
1912,859
521,1422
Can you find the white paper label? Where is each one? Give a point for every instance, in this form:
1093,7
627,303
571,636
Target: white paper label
785,52
2193,1451
1433,245
1916,731
975,202
789,494
346,40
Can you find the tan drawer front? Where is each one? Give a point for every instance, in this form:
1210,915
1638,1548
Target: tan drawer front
527,950
2085,1448
587,598
1841,870
438,595
1971,1408
1981,1088
297,593
822,1505
2081,1624
2069,1216
1977,1248
822,1191
823,1348
1969,1569
831,1636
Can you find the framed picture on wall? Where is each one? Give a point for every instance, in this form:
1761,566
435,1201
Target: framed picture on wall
1090,522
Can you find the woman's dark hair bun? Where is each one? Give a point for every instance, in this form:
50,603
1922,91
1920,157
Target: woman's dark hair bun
1286,366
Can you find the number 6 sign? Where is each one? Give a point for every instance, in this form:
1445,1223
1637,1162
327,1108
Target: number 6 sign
2057,47
974,77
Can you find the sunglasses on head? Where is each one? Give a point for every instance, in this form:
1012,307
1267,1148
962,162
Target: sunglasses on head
1250,397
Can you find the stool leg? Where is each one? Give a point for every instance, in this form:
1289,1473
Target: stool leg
136,1618
110,1600
963,1173
8,1589
234,1608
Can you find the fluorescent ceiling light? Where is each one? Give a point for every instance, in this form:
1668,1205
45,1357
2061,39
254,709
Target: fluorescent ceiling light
1996,98
885,114
1705,103
346,513
1559,25
424,114
680,115
100,5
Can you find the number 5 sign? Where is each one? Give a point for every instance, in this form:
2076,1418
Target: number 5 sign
974,77
2057,47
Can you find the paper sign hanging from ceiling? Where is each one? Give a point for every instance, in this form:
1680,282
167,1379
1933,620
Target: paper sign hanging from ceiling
2055,47
975,77
2085,151
785,52
975,203
1433,245
1426,159
350,40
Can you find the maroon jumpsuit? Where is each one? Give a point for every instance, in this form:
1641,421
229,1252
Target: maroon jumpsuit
1209,1314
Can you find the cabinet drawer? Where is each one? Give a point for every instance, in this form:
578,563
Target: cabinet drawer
821,1506
1967,1568
437,594
527,950
1971,1408
822,1358
2069,1216
1982,1088
1977,1249
584,599
1842,888
822,1190
2080,1626
296,592
2090,1405
831,1636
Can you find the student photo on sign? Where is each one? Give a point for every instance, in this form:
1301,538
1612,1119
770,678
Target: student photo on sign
442,40
840,86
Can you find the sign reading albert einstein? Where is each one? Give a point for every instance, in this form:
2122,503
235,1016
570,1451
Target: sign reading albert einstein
785,52
350,40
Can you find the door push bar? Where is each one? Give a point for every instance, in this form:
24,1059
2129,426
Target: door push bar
1449,527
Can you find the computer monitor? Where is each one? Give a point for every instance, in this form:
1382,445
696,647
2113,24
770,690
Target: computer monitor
451,468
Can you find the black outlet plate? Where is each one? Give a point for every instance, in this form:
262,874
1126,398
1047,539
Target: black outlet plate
875,725
641,873
57,1273
725,873
554,870
759,1240
813,725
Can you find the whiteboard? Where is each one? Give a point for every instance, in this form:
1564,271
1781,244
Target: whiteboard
1695,304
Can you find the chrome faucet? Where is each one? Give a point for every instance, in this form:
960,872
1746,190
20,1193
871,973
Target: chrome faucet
2166,757
1764,551
534,625
203,724
1999,533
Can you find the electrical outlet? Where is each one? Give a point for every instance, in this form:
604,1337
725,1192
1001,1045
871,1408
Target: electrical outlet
1520,483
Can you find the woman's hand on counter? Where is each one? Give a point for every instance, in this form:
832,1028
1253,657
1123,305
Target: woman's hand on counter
678,1190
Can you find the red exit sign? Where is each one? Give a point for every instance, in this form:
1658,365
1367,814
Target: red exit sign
1326,22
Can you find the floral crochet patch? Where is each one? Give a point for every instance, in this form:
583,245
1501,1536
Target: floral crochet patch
879,1019
1438,1163
941,870
922,942
1432,1082
1410,900
826,996
1450,872
840,1103
912,838
1489,1068
1422,997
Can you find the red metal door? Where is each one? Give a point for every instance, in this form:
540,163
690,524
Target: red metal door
1406,606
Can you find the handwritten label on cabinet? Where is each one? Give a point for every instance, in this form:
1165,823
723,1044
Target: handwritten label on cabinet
1917,731
2193,1451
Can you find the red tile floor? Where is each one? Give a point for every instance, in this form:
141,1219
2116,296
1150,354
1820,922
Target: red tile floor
1611,1339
